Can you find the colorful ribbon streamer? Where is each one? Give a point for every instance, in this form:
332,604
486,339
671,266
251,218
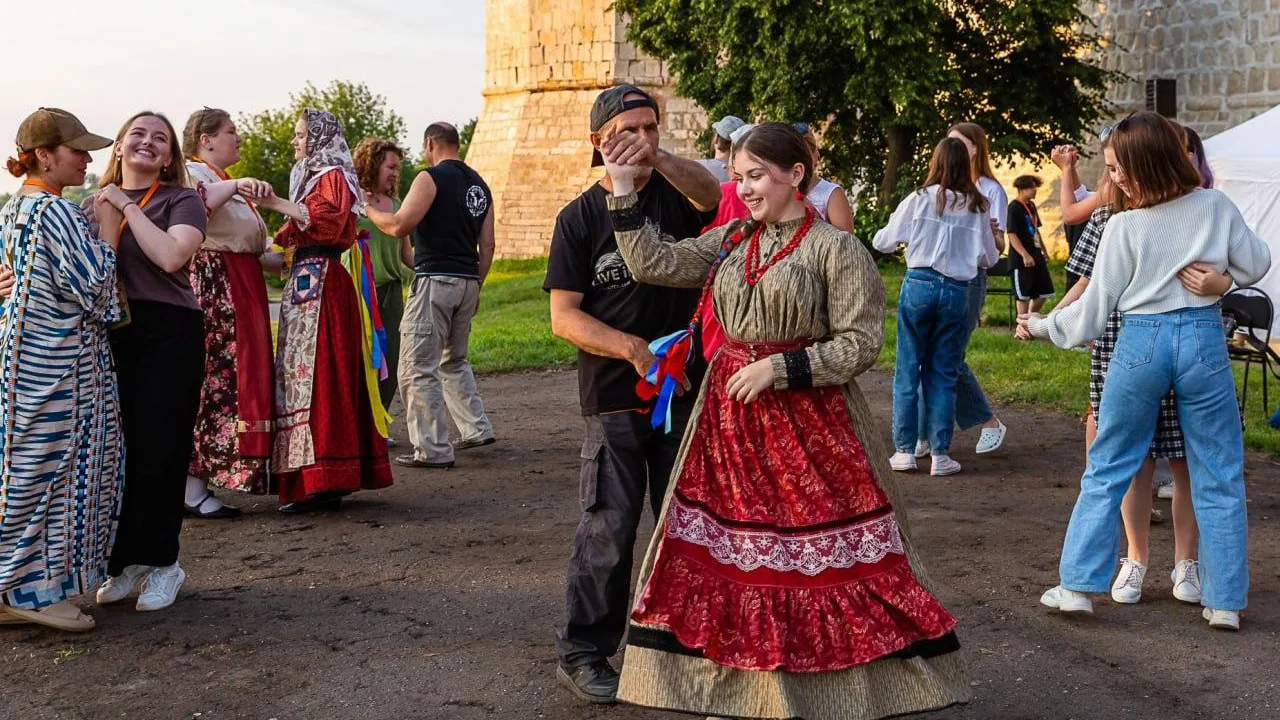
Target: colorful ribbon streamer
666,374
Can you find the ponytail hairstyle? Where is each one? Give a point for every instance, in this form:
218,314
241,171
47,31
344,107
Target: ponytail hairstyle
202,122
951,171
974,133
24,164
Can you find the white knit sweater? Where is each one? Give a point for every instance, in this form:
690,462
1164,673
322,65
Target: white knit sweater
1141,253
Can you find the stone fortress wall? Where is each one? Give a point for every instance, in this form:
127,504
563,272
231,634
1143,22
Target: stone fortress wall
546,60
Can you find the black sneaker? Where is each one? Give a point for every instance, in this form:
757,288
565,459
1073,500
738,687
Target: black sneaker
596,682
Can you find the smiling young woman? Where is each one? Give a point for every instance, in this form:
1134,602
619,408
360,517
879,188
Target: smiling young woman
781,453
159,354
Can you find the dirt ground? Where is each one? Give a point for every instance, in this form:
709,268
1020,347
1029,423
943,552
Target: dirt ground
438,598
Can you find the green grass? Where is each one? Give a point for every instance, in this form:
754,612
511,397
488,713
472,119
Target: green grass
512,331
1042,375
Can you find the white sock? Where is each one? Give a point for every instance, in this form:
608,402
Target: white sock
198,492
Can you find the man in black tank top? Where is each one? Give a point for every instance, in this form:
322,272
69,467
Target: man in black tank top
449,213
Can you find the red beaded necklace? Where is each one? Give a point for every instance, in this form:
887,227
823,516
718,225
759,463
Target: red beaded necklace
754,270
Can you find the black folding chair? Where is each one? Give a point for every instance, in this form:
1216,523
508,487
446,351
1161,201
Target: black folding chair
1248,313
1001,269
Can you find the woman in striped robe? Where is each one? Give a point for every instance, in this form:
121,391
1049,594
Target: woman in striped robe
61,450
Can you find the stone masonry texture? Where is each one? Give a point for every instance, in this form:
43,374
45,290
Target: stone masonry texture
546,60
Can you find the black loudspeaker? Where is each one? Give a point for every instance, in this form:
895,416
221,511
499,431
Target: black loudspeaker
1162,97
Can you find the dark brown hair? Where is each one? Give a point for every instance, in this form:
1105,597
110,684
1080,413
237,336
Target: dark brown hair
950,170
369,156
175,173
202,122
1026,182
442,133
982,158
780,145
1196,147
1153,154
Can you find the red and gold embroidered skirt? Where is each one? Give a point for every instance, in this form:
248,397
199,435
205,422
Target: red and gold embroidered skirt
779,550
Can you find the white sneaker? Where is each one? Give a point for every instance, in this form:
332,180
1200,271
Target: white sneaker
160,588
120,587
1165,492
1186,581
1222,619
990,439
903,462
1127,588
922,449
1067,601
943,465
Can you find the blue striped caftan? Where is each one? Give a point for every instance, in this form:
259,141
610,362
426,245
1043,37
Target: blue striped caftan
61,449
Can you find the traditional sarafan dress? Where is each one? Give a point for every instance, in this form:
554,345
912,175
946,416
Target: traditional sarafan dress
235,426
61,447
326,440
781,583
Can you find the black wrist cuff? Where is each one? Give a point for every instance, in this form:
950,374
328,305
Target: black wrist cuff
799,372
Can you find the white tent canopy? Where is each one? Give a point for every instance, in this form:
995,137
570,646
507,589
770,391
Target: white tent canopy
1246,166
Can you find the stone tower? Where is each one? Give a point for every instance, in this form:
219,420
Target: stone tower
545,62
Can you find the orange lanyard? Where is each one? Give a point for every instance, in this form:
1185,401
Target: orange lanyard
222,175
38,183
143,202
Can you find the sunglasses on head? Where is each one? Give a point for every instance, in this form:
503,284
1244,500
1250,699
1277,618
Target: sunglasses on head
1106,130
801,127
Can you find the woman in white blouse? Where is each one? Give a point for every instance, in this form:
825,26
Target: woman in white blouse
949,240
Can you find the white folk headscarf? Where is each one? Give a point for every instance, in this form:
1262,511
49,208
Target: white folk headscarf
326,150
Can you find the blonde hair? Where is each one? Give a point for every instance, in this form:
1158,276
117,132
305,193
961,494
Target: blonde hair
175,173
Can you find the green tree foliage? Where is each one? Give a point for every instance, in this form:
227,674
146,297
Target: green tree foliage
74,194
885,78
266,152
78,194
465,135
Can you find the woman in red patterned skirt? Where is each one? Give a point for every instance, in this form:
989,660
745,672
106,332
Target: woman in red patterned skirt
235,426
781,582
326,444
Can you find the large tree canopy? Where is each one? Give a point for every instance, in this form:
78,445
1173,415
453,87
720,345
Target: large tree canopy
885,78
266,153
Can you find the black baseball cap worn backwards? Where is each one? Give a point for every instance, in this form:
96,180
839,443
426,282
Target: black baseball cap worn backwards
610,104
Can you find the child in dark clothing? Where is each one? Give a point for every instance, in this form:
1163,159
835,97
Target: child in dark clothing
1032,284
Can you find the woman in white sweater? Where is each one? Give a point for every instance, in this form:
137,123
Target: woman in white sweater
1171,338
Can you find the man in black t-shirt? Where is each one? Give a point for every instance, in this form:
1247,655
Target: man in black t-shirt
449,212
610,318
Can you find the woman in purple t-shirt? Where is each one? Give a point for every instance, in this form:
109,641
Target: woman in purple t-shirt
159,354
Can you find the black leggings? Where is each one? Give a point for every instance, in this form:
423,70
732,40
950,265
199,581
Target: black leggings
159,359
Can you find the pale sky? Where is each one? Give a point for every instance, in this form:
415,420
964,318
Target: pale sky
113,58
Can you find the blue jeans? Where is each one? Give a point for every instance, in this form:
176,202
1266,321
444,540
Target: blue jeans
932,332
972,409
1186,351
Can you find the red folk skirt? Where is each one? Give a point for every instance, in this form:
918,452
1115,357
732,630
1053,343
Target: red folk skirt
779,550
326,439
235,426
